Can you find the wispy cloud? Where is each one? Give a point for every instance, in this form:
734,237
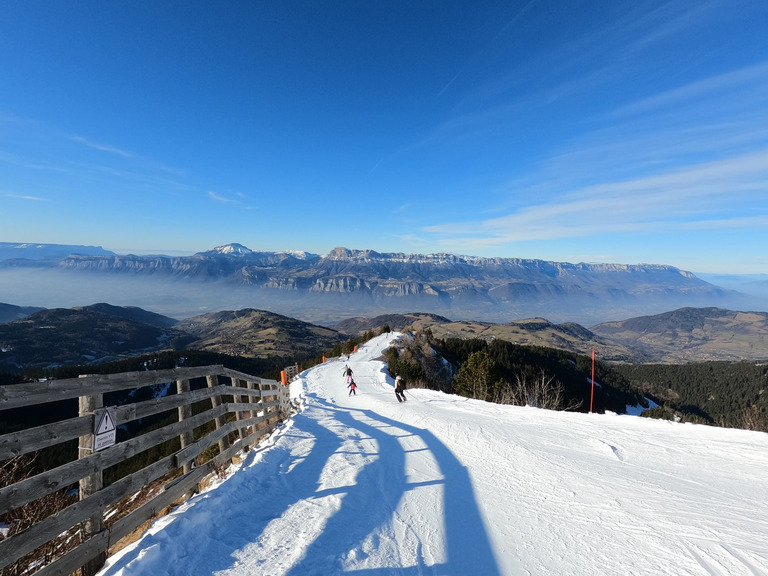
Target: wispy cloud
594,65
233,199
692,158
745,84
672,19
38,147
221,198
402,209
508,25
710,120
101,147
750,222
692,196
116,151
25,197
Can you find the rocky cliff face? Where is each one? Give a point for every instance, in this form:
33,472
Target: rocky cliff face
349,282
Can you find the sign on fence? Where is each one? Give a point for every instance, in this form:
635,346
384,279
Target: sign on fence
105,431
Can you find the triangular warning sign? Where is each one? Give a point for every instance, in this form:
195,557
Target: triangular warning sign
106,424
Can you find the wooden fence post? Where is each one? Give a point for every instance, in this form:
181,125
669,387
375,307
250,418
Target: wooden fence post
220,420
262,404
91,484
239,414
185,411
285,402
251,386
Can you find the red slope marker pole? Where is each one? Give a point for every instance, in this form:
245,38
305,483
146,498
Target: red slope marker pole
592,396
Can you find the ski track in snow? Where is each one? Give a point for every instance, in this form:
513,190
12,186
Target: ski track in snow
445,486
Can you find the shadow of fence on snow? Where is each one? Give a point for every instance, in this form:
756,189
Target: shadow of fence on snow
287,478
468,548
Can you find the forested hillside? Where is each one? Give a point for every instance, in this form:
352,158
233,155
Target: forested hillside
507,373
733,394
716,393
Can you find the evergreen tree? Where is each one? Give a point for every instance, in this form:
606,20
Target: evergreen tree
476,376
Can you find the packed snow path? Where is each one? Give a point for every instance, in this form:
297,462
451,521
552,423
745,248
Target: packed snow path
442,485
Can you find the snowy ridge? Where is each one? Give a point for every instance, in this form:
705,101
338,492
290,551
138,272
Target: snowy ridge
443,485
238,250
232,250
444,258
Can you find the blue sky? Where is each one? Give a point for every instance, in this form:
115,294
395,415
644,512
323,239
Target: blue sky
586,131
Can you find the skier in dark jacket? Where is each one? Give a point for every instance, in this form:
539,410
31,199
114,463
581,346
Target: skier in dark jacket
347,373
400,388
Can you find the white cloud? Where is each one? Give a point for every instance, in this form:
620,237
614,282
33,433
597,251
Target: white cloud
101,147
25,197
750,222
221,198
693,195
746,82
235,199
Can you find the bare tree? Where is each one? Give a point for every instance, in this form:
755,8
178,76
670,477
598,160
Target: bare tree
542,391
754,419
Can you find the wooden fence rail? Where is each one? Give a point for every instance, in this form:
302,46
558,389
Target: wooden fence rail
243,409
291,372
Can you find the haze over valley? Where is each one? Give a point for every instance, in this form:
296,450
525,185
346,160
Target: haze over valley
230,299
346,283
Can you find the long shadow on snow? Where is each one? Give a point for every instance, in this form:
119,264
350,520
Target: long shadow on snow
468,548
282,479
253,498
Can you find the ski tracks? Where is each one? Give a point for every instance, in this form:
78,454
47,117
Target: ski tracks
372,454
720,559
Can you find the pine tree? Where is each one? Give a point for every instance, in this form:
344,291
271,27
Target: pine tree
476,376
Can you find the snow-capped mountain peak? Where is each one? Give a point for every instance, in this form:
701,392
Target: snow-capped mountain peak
233,249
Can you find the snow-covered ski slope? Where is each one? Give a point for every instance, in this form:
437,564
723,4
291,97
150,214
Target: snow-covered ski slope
443,485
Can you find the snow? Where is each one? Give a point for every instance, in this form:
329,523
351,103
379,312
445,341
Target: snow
444,485
233,249
637,410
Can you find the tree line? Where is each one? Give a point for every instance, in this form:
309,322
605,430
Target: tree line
731,394
507,373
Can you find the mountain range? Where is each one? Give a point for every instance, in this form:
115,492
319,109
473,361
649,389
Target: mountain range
348,283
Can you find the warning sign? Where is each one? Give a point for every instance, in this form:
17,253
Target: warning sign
105,431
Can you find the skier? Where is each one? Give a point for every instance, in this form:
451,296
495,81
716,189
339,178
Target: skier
348,373
400,388
352,387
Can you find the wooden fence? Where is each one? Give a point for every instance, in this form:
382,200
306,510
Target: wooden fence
289,373
243,409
